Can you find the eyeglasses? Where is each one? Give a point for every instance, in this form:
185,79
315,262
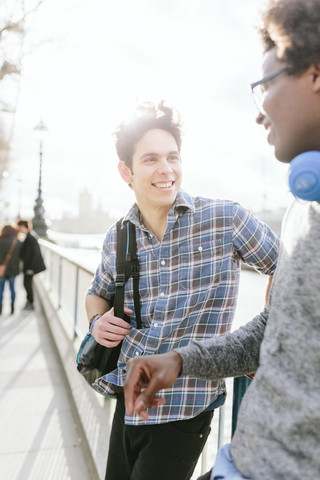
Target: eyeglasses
260,88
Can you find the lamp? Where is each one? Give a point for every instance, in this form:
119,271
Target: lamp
38,221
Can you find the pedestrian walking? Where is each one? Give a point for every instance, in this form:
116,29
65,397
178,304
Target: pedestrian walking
33,262
9,261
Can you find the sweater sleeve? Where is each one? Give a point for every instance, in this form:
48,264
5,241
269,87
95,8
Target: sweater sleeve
230,355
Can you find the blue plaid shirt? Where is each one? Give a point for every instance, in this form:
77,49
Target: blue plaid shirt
188,290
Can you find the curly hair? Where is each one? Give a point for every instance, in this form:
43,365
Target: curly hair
147,116
293,27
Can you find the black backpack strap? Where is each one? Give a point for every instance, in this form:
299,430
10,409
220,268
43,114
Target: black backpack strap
134,272
121,270
127,265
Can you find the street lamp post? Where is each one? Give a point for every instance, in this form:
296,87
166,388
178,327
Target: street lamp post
19,196
38,221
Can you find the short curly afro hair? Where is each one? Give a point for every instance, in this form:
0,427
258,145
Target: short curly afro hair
293,27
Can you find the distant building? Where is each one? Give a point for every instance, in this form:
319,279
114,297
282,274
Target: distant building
90,219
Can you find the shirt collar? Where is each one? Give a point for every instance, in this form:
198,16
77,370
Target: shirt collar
183,203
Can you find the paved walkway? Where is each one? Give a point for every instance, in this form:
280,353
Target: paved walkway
40,436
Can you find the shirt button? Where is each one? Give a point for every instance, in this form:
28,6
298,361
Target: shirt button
155,324
163,262
137,354
200,248
161,294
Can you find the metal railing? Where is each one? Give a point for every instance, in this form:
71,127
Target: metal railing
67,279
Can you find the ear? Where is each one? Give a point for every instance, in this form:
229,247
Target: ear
125,172
316,78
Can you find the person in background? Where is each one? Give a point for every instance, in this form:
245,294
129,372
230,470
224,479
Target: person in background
33,262
190,250
278,427
9,253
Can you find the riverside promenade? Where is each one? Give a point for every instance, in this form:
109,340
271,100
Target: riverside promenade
41,436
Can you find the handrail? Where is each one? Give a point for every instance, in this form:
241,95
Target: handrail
67,278
64,252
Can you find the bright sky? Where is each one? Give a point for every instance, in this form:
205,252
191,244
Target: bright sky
97,57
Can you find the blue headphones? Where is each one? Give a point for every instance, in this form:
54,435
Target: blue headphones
304,176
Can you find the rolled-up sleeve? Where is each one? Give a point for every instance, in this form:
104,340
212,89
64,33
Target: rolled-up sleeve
254,242
103,282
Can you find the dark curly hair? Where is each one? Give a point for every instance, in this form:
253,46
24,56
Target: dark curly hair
293,27
147,116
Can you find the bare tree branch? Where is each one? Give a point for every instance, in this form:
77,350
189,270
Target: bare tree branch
13,27
8,69
17,26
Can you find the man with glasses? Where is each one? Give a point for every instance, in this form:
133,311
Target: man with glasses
278,430
260,88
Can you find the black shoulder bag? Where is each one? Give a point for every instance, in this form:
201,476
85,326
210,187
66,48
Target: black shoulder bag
95,360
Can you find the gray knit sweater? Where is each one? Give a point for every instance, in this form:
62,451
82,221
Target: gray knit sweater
278,431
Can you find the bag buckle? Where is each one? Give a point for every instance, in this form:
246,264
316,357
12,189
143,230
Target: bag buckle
120,280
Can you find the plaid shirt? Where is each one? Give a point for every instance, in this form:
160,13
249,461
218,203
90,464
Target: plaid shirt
188,290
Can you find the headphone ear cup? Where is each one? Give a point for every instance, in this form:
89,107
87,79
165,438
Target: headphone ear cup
304,176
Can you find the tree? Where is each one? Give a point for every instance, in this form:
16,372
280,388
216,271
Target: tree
14,16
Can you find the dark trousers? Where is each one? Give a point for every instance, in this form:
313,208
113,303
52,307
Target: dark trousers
166,451
27,283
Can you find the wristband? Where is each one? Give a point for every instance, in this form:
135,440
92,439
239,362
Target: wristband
93,317
93,322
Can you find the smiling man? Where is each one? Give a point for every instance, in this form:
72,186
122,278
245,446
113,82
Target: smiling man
189,250
278,430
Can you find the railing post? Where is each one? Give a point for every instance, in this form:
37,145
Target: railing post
51,269
222,411
204,459
60,282
59,268
240,385
76,303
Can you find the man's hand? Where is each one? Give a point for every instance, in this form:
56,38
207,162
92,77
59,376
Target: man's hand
109,330
145,377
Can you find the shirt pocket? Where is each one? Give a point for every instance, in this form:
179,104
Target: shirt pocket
200,265
133,345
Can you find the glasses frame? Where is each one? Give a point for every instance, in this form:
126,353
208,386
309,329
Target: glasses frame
263,80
